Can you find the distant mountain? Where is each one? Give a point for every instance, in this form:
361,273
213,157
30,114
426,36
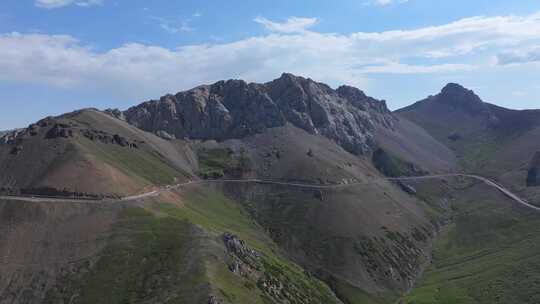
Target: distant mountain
487,139
235,109
458,113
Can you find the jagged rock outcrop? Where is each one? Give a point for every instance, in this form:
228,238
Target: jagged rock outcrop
59,130
235,109
165,135
106,138
533,175
238,247
275,282
214,300
10,137
53,128
116,113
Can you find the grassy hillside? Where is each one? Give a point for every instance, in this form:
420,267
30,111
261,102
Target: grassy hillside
41,242
366,243
487,140
286,153
351,238
171,250
90,153
251,243
487,254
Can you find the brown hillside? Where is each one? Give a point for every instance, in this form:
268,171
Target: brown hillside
89,152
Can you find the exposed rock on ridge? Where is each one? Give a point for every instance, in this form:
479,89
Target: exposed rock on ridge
235,109
52,128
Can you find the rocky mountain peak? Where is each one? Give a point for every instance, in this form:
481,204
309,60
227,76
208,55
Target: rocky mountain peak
454,87
351,92
457,96
235,109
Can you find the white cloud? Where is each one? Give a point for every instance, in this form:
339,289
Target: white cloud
292,25
173,27
400,68
520,56
385,2
49,4
138,71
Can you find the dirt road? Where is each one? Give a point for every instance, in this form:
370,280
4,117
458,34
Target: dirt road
156,192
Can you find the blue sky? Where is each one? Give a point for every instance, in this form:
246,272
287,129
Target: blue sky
61,55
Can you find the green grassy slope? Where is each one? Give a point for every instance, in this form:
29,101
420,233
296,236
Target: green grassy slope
213,212
148,260
160,252
488,254
494,142
353,238
41,242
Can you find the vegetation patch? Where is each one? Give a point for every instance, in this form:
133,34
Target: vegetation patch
146,165
489,254
272,279
220,162
392,166
149,260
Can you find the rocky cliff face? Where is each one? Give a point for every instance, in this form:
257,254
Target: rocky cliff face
235,109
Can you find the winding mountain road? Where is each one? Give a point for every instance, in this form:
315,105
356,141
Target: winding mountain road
157,192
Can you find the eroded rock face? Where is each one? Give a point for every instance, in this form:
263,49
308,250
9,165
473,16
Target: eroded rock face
234,109
60,130
165,135
115,113
56,128
533,175
9,137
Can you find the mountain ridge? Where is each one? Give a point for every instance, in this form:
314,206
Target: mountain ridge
225,242
235,109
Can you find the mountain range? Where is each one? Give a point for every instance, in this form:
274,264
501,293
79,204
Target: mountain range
288,191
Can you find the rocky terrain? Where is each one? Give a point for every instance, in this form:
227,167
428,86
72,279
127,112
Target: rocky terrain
235,109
